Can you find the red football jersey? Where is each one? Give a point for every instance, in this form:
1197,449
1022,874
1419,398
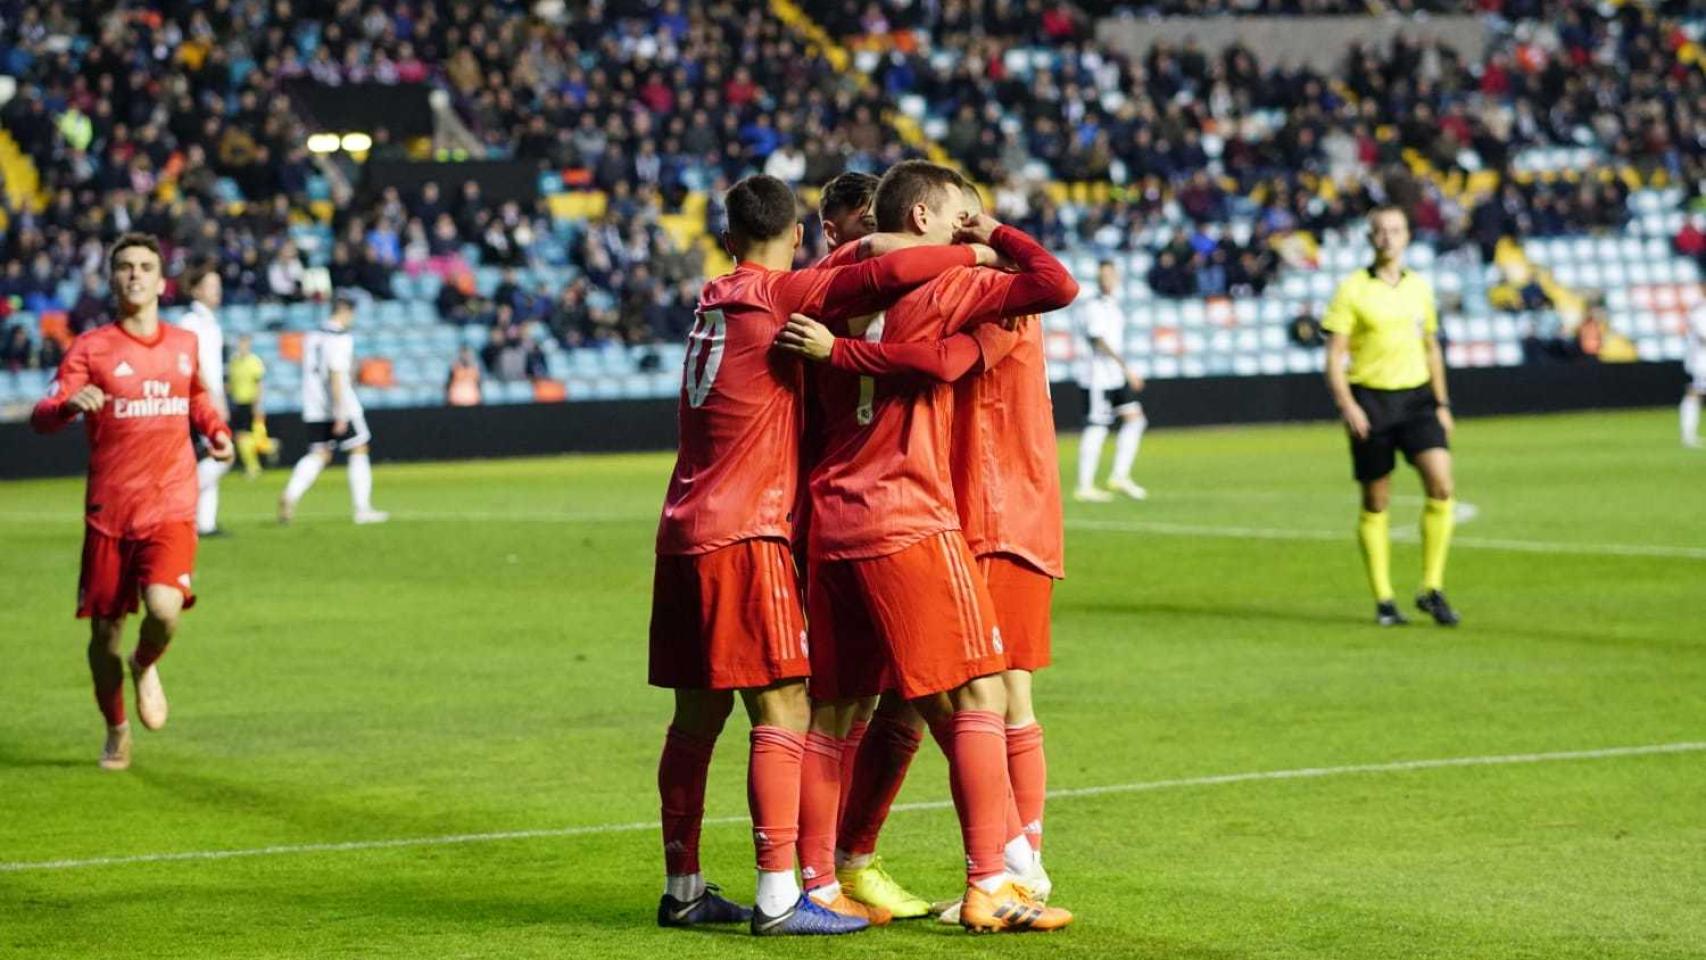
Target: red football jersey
141,464
1005,463
737,469
884,481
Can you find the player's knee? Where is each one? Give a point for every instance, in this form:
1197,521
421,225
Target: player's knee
1376,498
988,694
163,605
106,636
1020,712
360,451
702,712
784,705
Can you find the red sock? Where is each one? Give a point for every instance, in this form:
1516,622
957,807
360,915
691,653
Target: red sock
881,768
850,756
147,654
773,793
1028,768
820,799
979,763
109,689
681,788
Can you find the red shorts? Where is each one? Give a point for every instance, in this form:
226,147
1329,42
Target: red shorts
848,656
930,613
115,569
727,620
1022,595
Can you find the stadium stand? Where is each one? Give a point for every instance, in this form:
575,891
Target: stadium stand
1228,189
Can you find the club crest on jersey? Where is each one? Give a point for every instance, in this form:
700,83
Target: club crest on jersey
123,370
184,364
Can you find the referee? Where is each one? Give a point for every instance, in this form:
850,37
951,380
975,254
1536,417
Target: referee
1392,396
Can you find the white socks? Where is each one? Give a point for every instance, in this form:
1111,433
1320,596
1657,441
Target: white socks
303,476
777,892
207,474
1017,856
1125,447
1690,412
827,894
684,886
360,482
992,884
1090,454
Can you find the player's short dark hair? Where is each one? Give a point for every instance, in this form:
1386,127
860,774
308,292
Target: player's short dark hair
144,240
1390,208
847,192
198,272
908,183
1104,262
760,208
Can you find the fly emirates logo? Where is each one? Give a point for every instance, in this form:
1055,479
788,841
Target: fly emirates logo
156,401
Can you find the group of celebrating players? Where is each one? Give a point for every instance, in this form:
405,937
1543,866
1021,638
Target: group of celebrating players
861,535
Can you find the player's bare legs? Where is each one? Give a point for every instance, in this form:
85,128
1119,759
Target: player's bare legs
1126,445
1438,519
161,605
361,488
106,668
302,476
1688,418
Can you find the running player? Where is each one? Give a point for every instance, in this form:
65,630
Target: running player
1111,387
1393,397
1007,488
888,561
725,605
206,292
137,387
333,415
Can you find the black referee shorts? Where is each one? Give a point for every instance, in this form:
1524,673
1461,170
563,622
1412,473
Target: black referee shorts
1406,420
242,418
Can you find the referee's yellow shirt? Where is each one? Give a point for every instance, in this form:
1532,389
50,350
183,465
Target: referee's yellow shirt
243,375
1388,326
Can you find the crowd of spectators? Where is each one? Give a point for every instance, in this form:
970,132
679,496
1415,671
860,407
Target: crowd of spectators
159,117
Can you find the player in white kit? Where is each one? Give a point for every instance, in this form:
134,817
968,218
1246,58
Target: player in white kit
1111,388
1696,389
207,292
332,414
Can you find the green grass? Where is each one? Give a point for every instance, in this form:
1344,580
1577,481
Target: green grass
478,666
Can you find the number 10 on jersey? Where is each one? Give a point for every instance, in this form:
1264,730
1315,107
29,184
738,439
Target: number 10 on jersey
704,355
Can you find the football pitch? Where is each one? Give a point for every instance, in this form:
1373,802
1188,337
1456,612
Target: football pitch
433,738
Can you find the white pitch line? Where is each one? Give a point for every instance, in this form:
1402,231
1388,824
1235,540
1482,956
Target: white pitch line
1303,773
1167,529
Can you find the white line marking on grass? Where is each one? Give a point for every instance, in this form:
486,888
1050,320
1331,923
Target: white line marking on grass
1162,528
1303,773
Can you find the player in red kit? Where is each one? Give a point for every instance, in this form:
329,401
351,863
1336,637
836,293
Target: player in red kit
886,553
136,385
1007,489
726,614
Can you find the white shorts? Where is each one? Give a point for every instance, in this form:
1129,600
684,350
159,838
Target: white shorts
320,435
1105,405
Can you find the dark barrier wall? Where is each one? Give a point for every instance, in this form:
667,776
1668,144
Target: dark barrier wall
499,180
401,108
458,433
